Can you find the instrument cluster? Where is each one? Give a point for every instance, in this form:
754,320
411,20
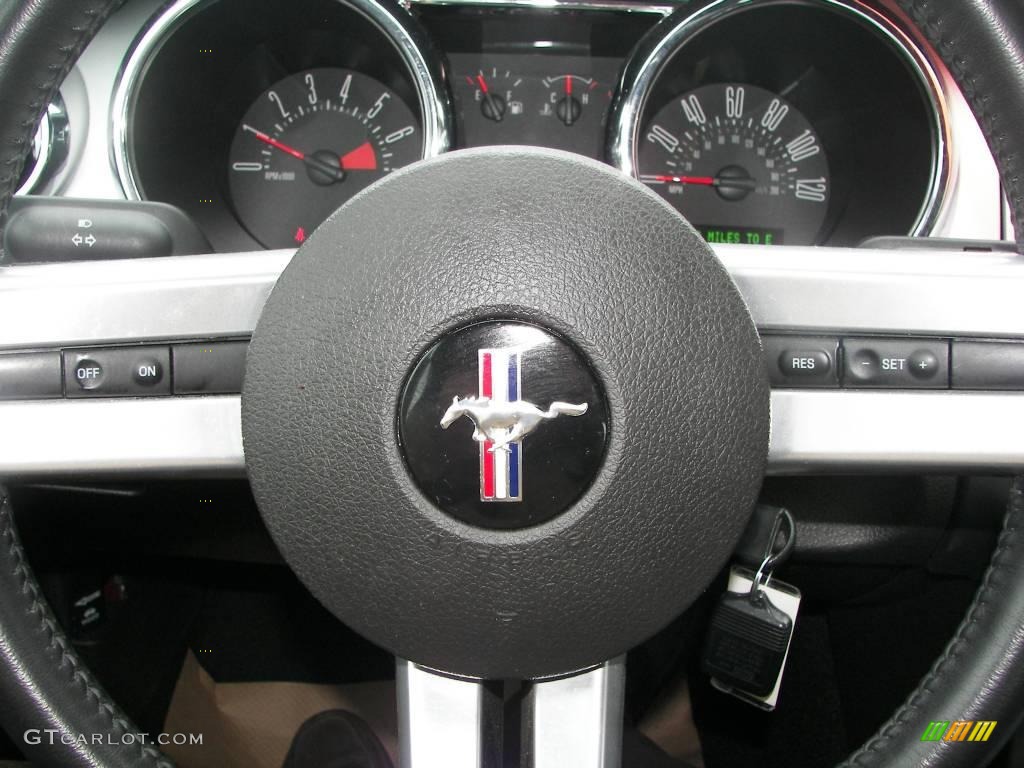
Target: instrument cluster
779,122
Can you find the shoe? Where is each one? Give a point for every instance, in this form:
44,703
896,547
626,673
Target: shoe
336,739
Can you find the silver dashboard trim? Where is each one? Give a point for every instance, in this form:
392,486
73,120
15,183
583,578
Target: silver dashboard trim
810,290
813,431
55,305
642,72
434,104
944,293
118,438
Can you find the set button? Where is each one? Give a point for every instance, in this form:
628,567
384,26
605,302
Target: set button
896,363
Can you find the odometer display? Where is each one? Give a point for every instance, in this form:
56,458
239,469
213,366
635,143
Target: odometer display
311,142
741,157
717,233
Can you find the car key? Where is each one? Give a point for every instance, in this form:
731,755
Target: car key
747,643
752,626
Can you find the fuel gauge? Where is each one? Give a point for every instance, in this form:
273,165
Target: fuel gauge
497,94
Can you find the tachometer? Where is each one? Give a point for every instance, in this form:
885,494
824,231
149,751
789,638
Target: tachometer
740,162
308,144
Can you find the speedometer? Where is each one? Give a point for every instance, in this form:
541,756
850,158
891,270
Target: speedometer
741,163
785,122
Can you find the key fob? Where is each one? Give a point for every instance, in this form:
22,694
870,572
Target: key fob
747,642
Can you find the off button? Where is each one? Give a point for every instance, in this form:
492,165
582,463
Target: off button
88,374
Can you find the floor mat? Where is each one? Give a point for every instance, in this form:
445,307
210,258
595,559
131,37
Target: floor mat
251,725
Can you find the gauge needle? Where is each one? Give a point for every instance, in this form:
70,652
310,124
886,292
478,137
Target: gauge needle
567,117
497,110
334,171
702,181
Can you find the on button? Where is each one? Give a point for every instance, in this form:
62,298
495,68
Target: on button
147,371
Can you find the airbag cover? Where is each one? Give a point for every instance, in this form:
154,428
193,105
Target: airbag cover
538,237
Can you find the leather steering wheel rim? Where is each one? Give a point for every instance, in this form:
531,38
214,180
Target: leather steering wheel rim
980,676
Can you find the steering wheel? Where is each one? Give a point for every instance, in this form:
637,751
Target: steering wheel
389,358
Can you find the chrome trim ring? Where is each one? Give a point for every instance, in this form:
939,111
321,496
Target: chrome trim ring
647,64
51,144
435,105
626,6
41,148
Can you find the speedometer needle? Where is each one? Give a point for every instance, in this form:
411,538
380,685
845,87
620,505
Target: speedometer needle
702,181
334,171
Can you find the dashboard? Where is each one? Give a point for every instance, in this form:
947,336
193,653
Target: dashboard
776,122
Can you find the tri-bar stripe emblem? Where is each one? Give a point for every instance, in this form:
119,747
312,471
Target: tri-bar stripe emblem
501,469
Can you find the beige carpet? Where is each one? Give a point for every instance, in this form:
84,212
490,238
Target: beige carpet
251,725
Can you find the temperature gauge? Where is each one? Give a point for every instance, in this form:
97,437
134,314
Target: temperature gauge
568,97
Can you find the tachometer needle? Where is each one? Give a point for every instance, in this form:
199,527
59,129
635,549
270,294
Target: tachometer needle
334,171
702,181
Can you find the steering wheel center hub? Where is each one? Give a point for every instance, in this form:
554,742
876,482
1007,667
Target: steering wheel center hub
521,312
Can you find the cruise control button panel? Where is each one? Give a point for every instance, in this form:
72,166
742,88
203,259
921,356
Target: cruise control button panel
896,363
117,372
801,361
217,366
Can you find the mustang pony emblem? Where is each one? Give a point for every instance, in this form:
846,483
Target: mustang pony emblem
501,419
499,424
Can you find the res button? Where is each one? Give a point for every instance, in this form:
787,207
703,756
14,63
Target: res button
811,363
801,361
